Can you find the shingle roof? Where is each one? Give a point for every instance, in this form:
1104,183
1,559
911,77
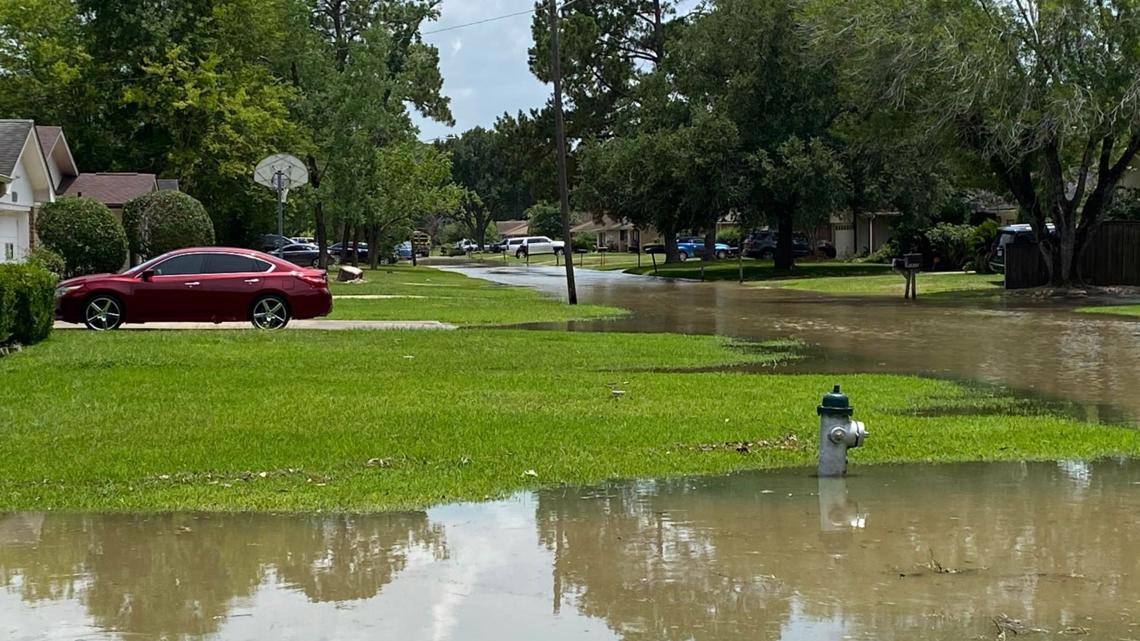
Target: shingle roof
111,189
168,183
512,227
13,135
48,135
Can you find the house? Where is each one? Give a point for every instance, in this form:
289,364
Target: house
512,228
27,181
617,235
862,234
113,189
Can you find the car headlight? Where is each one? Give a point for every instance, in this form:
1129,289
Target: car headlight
63,291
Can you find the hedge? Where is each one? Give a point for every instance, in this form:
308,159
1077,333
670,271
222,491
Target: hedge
27,303
85,233
163,221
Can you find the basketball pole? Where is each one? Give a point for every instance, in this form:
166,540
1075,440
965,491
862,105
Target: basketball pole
280,178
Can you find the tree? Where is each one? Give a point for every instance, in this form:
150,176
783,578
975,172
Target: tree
481,164
753,62
85,233
358,67
545,219
1043,93
163,221
411,180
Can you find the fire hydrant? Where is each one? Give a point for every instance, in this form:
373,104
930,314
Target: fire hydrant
837,433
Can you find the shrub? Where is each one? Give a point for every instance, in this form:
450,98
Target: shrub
730,237
951,243
163,221
981,242
85,233
49,260
27,303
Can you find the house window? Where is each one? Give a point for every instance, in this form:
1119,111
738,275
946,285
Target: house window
15,197
9,252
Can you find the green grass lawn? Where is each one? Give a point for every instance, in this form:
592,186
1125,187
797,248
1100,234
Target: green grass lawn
893,285
1118,310
233,420
424,293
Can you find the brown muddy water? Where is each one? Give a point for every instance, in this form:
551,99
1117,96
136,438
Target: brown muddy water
1034,348
896,552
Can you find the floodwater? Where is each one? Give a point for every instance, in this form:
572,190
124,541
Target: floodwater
905,552
1035,348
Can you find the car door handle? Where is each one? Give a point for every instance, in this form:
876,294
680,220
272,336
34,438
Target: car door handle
192,284
252,281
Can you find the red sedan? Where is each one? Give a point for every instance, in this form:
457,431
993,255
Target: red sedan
212,284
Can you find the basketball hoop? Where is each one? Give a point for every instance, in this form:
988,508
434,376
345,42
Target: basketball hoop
281,172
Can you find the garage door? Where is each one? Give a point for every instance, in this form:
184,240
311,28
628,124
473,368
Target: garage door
9,234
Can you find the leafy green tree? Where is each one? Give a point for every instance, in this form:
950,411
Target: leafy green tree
357,67
85,233
754,63
1044,93
545,219
481,164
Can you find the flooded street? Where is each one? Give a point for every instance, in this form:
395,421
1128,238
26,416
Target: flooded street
905,552
1033,347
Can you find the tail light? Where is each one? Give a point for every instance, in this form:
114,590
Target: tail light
315,278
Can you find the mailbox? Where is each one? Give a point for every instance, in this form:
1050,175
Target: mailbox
912,261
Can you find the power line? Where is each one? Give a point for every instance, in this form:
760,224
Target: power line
479,22
494,19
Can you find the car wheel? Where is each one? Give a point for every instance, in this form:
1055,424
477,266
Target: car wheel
520,254
269,313
721,255
684,256
103,313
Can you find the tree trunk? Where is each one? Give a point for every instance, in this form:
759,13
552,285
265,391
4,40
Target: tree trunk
710,244
373,246
344,231
672,255
322,234
785,227
356,245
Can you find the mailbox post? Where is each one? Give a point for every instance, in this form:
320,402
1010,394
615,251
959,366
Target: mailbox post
908,266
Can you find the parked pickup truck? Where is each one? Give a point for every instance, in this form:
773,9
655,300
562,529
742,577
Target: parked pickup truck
691,247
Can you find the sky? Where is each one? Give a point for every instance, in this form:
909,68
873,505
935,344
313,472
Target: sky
484,66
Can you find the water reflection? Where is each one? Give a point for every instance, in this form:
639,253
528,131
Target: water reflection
177,576
929,552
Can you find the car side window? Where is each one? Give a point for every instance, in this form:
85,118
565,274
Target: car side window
180,265
233,264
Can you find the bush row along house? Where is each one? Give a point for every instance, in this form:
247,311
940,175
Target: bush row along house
36,167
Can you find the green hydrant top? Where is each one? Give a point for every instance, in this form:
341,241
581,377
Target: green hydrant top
835,404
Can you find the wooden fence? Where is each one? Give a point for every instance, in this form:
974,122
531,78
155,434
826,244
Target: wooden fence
1112,258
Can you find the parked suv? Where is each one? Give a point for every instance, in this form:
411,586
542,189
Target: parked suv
695,247
534,246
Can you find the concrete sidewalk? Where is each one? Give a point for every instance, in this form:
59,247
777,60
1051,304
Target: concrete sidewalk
331,325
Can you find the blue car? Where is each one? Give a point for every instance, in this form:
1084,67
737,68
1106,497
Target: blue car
693,247
404,250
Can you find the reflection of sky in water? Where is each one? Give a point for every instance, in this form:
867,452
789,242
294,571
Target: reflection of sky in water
894,552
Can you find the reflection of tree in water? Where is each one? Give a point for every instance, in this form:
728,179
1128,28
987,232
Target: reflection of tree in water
349,557
628,562
172,576
715,559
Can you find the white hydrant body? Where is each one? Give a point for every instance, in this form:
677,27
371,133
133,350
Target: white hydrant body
837,433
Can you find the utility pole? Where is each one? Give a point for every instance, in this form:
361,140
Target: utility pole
560,152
